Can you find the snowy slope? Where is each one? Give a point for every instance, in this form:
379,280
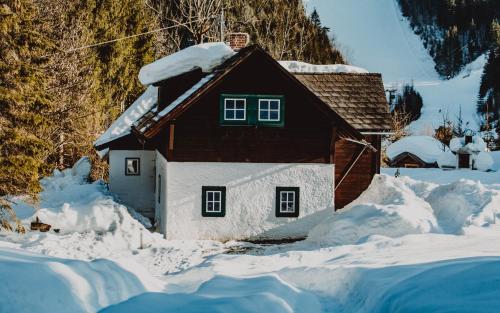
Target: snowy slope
373,34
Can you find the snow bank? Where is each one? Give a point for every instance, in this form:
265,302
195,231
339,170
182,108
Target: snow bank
206,56
388,207
72,205
427,148
226,294
483,161
302,67
36,283
463,203
121,126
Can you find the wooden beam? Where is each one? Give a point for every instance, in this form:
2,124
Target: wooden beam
350,165
171,136
332,145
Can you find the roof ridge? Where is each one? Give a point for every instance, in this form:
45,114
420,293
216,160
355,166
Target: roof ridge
341,73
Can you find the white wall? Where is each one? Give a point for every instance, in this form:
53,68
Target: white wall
135,191
250,199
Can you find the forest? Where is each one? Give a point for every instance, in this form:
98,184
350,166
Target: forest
69,68
454,31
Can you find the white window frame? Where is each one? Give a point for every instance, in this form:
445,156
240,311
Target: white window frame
235,109
269,110
287,201
213,201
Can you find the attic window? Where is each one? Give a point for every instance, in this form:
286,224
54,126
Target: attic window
287,201
132,166
235,109
269,110
213,201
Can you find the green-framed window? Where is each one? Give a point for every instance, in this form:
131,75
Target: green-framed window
287,201
261,110
213,201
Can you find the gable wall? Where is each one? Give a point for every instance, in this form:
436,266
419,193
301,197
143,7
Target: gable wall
361,175
198,137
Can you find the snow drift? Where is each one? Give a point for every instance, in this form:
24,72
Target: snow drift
84,211
396,207
206,56
388,207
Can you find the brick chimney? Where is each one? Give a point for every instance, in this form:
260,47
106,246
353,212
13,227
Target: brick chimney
238,40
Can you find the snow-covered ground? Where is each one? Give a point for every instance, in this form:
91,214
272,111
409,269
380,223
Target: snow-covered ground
422,244
373,34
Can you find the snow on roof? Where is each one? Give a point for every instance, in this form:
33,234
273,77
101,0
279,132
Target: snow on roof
206,56
427,148
476,145
302,67
121,126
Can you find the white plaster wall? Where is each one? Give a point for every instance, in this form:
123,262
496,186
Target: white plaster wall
135,191
250,199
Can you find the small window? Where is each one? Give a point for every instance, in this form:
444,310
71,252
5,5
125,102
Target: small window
213,201
269,110
287,201
132,166
235,109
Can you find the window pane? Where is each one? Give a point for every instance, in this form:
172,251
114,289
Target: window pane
217,196
274,115
229,104
210,196
275,105
290,207
264,115
283,196
210,206
291,196
283,207
229,114
217,207
264,105
240,114
240,104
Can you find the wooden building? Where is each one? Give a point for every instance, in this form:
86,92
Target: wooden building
248,149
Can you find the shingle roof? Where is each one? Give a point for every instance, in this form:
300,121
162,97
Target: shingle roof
357,98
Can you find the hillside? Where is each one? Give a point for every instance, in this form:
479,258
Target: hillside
385,42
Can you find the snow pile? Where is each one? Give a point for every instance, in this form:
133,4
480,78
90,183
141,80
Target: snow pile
72,205
447,160
302,67
389,207
463,203
220,294
121,126
477,144
483,161
206,56
36,283
427,148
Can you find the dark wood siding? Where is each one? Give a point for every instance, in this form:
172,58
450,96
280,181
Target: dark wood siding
198,135
361,175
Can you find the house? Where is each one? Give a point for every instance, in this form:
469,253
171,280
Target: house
470,153
232,145
416,152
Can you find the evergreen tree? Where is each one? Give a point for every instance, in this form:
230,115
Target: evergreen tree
409,103
24,104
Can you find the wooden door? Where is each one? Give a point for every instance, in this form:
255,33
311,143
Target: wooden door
463,160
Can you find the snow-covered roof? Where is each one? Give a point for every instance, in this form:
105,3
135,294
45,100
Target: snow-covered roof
205,56
302,67
427,148
175,103
477,144
121,126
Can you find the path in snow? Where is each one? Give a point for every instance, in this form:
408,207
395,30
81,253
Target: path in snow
373,34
